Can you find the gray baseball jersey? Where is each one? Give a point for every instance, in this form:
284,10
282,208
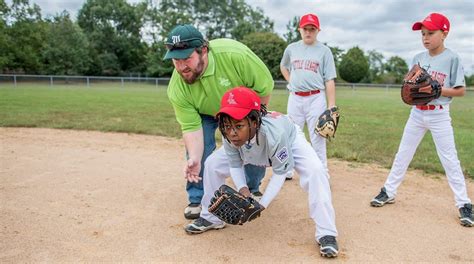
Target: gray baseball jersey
310,66
446,68
276,136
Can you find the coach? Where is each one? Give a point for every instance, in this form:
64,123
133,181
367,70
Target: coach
204,71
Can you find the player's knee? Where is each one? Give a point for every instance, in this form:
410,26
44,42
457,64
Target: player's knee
317,165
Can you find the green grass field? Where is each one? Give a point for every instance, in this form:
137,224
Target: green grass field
370,128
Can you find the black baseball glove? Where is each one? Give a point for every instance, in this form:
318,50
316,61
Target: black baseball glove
233,208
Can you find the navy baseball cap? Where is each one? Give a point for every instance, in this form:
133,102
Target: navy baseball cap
182,41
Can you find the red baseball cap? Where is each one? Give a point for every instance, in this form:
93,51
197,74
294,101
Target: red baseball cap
239,101
309,19
433,21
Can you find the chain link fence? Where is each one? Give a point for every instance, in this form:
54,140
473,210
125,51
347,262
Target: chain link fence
87,81
90,81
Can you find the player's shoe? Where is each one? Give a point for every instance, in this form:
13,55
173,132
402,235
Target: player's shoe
201,225
192,211
466,215
257,196
328,246
381,199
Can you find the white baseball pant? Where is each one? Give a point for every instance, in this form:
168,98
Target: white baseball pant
307,109
313,180
437,121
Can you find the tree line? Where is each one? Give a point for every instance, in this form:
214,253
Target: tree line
117,38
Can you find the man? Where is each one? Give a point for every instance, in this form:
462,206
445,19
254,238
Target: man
308,66
204,71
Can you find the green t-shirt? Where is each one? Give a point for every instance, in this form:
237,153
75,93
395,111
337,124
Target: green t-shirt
231,64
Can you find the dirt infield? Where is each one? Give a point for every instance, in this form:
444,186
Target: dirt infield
78,196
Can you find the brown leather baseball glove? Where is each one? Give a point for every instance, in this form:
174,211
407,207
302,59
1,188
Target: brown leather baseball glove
419,88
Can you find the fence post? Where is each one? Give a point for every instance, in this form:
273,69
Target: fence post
14,80
121,80
156,83
51,81
87,82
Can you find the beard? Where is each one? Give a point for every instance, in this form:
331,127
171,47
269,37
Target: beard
194,73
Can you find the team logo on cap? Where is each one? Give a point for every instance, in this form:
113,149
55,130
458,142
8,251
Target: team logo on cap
231,99
176,39
310,18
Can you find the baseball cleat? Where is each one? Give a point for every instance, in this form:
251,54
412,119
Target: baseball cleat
201,225
466,215
192,211
328,247
381,199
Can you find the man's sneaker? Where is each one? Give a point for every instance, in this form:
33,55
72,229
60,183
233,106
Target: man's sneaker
201,225
257,196
466,215
382,199
328,246
192,211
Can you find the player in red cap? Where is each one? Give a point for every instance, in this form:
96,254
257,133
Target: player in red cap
308,66
253,136
445,66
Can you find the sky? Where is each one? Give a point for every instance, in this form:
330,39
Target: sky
381,25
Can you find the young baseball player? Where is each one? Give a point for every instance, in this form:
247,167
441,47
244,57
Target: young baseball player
251,136
444,66
308,66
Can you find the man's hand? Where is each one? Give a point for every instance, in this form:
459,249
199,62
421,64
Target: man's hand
191,171
194,142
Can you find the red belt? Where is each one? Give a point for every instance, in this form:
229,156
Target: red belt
429,107
308,93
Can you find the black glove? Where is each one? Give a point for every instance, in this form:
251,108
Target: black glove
232,207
